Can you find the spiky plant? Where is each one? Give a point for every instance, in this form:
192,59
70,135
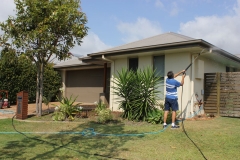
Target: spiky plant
137,92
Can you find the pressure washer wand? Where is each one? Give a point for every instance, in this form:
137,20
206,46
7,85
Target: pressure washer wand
193,61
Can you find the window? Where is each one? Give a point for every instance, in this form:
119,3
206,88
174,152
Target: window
231,69
159,67
133,64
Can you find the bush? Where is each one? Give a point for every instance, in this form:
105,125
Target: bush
104,113
18,73
155,116
137,91
66,110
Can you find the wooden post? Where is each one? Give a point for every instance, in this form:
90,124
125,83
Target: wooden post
105,78
218,93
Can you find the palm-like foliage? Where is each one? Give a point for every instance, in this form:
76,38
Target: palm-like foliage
137,91
124,83
67,109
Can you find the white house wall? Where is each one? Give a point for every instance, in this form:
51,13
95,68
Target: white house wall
212,66
145,61
116,66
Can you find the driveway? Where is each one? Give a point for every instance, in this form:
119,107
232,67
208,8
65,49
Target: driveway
10,112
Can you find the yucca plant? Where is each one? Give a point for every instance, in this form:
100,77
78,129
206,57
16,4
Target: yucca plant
124,83
66,109
145,93
137,91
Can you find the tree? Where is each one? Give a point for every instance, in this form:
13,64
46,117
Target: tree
9,73
52,82
42,29
27,77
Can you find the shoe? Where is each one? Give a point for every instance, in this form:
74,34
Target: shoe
164,126
174,127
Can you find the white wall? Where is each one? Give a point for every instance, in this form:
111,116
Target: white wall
116,66
145,61
211,66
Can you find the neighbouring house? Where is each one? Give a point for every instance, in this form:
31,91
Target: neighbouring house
91,77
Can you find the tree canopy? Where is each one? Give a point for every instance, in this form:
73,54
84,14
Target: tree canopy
43,29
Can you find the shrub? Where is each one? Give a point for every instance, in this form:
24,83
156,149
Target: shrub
66,110
155,116
104,113
137,92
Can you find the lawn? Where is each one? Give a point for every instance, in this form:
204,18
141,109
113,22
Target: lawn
217,138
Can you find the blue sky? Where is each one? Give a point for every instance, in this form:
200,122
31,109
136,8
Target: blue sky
116,22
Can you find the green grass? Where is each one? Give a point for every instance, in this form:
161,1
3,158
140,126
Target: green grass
218,138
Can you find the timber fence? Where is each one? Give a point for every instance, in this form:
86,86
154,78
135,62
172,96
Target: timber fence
222,94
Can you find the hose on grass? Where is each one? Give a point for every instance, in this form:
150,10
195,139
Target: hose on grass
60,146
91,131
184,130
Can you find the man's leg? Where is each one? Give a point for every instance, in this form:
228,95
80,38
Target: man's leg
173,120
165,117
174,109
173,117
166,110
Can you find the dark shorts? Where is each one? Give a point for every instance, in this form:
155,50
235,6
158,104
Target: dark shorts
171,103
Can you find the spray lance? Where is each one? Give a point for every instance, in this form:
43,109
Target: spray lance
194,60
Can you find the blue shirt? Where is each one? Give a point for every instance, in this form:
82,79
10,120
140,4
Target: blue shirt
171,88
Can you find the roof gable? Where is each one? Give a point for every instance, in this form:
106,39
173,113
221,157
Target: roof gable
165,38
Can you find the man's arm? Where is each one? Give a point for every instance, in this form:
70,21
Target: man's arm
175,75
182,81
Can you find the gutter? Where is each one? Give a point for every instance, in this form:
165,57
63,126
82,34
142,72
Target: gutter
112,78
151,47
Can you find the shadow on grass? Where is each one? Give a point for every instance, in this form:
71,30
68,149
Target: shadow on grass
69,146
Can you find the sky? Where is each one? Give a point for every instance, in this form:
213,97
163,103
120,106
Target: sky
117,22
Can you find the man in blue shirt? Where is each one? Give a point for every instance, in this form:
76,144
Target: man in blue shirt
171,99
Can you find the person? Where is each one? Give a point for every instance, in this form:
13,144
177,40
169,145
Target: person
171,99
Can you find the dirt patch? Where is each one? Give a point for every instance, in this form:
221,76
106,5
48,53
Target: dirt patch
201,117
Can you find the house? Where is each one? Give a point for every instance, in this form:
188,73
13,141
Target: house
90,77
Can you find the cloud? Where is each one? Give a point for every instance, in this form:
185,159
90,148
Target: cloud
159,4
91,43
140,29
223,32
174,9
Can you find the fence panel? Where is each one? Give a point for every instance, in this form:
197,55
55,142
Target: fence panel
222,94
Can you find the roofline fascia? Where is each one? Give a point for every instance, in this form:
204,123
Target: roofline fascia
199,42
77,66
227,55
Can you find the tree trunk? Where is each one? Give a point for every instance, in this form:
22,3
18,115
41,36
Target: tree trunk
41,88
37,91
